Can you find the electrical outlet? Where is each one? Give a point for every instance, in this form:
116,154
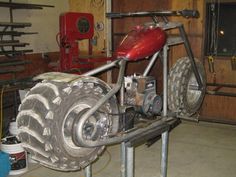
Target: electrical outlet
45,55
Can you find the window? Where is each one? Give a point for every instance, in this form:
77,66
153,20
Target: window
220,29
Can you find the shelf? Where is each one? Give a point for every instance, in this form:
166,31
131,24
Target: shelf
15,44
23,5
16,25
16,63
8,41
15,52
16,33
9,71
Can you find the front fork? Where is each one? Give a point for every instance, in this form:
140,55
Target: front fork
190,55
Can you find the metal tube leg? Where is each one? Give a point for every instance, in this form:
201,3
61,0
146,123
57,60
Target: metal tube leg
123,159
164,153
164,136
88,171
130,162
165,80
122,146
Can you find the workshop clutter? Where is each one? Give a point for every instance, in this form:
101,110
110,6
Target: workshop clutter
17,156
13,130
5,164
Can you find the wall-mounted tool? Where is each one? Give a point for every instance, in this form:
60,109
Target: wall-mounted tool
233,62
211,64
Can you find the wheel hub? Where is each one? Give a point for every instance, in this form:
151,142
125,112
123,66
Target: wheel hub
193,92
95,127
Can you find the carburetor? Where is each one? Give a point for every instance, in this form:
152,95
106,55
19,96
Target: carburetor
141,93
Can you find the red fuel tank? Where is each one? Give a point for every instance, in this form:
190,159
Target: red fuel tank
141,42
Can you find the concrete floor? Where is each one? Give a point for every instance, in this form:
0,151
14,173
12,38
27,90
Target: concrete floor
195,150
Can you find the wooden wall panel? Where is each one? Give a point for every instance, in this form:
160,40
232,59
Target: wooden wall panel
193,27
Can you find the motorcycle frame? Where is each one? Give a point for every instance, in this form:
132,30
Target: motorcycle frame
160,126
121,63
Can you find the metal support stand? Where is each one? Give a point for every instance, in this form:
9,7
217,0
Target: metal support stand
164,153
164,136
88,171
123,149
127,153
123,152
127,148
130,162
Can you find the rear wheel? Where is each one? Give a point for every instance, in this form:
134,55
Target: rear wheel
46,117
183,96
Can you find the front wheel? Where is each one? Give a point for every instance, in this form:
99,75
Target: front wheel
183,96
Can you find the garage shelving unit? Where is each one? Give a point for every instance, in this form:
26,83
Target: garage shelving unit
10,46
12,52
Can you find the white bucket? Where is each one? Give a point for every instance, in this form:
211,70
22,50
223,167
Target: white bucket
13,129
18,157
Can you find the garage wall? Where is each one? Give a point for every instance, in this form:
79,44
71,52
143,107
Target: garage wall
45,22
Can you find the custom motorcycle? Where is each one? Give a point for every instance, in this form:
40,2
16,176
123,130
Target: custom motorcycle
66,120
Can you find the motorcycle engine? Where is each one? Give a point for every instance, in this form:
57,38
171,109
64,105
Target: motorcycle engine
141,93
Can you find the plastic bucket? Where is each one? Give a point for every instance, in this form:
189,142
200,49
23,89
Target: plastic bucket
17,155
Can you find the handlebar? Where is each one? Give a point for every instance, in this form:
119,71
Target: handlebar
189,13
184,13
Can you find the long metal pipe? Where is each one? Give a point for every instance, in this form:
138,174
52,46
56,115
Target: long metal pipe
150,64
221,85
218,93
123,151
165,80
185,13
164,149
190,54
123,161
108,31
130,162
88,171
164,153
102,68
